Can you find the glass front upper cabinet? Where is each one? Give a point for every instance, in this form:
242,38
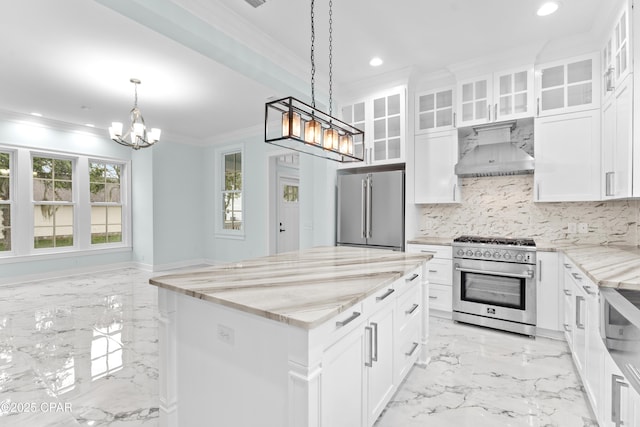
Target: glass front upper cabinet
435,111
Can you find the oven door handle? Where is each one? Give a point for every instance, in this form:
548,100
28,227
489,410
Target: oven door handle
527,275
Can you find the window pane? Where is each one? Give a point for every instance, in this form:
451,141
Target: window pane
520,81
467,92
62,169
394,148
63,191
96,192
579,71
579,94
358,112
114,224
379,107
98,224
551,99
444,117
379,129
393,105
347,114
112,193
53,226
394,127
232,211
481,89
444,99
233,171
505,84
553,76
5,176
426,102
5,228
42,168
426,121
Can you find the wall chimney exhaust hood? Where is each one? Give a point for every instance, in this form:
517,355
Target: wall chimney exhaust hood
495,155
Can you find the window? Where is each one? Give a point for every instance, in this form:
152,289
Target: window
106,202
290,193
53,206
5,202
232,191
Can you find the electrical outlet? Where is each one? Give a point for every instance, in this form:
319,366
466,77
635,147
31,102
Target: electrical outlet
572,228
583,228
226,334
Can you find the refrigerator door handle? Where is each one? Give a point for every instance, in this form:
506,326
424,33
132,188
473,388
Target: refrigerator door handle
363,209
369,204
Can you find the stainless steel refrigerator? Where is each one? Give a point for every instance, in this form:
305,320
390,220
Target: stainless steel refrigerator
371,210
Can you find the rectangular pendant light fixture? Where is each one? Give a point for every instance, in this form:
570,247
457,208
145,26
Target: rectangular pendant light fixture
292,124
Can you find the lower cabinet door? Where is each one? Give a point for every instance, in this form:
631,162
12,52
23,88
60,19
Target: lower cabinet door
342,399
380,374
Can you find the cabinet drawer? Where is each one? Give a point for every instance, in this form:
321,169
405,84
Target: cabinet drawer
407,350
409,308
343,323
440,271
436,250
440,297
409,281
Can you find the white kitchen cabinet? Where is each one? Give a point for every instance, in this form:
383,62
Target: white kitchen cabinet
434,111
568,303
617,142
568,85
382,117
503,95
616,54
343,381
567,149
435,157
440,271
621,403
549,296
380,375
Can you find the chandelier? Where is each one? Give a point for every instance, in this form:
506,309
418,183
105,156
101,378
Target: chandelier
137,135
293,124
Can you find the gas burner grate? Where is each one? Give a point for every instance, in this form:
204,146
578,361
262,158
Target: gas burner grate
496,240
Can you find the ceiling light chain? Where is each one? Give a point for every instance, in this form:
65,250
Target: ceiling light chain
330,57
313,61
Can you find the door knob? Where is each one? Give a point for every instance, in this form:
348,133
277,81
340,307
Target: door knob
282,229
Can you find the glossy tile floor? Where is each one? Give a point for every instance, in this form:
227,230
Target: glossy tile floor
82,351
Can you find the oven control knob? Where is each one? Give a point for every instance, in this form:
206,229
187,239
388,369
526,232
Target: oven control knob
469,252
497,255
478,254
519,257
460,252
487,254
507,256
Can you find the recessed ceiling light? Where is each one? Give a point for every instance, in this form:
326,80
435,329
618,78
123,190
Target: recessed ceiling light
36,114
376,61
91,125
548,8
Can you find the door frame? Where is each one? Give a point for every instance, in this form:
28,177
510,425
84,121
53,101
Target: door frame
272,211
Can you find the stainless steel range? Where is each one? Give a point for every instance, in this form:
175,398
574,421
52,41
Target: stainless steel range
493,283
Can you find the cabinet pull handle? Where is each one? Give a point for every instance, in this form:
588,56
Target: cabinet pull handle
369,359
567,328
495,112
454,119
432,297
567,292
433,271
538,191
588,290
609,79
428,252
369,204
579,323
567,265
341,323
609,185
617,382
489,111
374,353
540,271
363,209
414,347
454,192
538,107
414,307
410,279
576,276
386,294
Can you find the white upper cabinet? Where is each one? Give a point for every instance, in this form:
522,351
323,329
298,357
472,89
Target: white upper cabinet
504,95
382,117
435,158
435,111
568,86
616,54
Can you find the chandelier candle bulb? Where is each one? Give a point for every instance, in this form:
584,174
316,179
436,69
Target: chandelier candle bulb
346,144
115,130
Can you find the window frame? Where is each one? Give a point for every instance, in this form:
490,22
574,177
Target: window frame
121,204
22,212
220,154
11,201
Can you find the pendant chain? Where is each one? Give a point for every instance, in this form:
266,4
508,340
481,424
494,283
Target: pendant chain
313,62
330,57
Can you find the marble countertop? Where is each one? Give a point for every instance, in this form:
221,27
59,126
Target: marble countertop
610,266
304,288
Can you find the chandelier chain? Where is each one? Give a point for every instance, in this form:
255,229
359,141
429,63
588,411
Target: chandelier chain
313,62
330,57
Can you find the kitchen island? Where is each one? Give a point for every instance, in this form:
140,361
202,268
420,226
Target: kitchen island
319,337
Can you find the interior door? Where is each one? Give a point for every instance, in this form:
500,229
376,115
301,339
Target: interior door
351,209
386,206
288,215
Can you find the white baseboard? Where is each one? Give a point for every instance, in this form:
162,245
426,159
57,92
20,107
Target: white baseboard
65,273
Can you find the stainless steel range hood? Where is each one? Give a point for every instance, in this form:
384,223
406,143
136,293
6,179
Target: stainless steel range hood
495,155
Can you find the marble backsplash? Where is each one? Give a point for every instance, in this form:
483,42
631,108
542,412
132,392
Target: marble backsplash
503,206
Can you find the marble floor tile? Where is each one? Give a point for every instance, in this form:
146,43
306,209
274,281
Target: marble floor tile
479,377
83,351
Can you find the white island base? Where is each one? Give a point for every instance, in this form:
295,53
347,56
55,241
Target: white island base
229,367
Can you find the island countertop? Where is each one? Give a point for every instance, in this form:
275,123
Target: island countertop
304,288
